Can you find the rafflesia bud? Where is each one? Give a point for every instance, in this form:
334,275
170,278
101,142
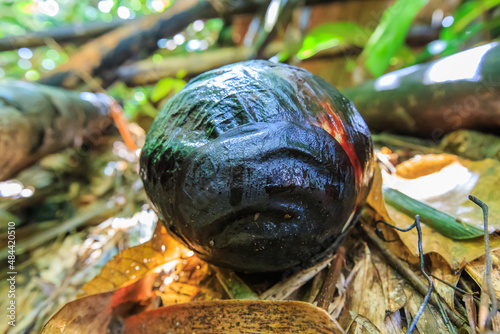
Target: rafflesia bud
258,166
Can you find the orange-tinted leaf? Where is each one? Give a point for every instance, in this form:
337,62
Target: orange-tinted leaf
171,296
133,263
376,198
421,166
234,316
92,314
178,293
376,201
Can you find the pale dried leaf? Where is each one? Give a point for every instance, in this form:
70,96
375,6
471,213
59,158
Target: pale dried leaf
392,283
365,296
456,253
283,289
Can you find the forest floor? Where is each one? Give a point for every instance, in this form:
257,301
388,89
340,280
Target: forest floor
88,210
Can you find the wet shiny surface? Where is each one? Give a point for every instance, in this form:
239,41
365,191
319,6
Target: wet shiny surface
248,167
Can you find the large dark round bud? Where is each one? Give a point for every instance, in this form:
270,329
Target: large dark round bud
258,166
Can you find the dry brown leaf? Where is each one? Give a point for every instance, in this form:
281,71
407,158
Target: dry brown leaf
362,323
394,323
133,263
234,316
92,314
338,304
107,310
496,323
476,270
178,293
392,283
442,270
365,296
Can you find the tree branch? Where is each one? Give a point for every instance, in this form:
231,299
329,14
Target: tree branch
147,72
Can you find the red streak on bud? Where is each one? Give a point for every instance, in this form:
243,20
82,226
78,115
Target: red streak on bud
336,128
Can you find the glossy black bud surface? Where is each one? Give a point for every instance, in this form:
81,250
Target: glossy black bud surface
258,166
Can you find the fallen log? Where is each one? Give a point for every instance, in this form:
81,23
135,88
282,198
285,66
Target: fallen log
36,120
461,91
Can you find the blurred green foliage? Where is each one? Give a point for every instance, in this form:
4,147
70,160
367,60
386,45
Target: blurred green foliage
472,22
390,34
18,17
333,34
468,22
166,87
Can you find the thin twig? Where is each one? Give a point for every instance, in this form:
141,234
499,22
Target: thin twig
485,314
379,232
325,296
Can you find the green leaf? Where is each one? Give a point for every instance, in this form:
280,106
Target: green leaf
234,286
165,86
448,47
390,34
329,35
464,15
441,222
